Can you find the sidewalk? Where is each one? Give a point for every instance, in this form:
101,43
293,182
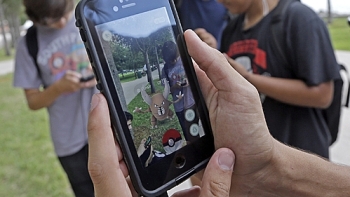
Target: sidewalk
339,150
6,67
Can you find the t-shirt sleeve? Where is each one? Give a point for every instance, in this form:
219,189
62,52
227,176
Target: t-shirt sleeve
25,73
310,46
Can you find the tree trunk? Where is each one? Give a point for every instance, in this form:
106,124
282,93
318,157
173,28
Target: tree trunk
329,18
2,26
149,72
15,29
115,75
158,66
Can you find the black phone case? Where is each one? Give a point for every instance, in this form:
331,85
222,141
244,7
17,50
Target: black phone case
172,177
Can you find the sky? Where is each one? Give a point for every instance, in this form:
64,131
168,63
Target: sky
140,25
338,6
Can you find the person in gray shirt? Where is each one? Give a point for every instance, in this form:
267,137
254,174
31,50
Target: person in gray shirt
61,63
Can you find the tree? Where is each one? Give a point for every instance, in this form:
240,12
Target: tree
13,13
329,12
115,73
146,46
9,15
3,30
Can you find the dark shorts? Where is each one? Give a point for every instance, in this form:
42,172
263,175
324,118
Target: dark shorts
76,168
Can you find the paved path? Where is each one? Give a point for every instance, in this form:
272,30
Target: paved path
6,67
338,151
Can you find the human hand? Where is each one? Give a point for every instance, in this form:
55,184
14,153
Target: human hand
236,117
206,37
70,82
108,170
87,73
106,166
180,95
238,67
88,84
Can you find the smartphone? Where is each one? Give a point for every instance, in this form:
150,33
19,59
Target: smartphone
87,78
168,137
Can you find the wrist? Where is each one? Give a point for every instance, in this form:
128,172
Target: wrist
295,173
274,180
56,89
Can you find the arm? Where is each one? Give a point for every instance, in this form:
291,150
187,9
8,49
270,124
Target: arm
70,82
263,167
291,91
297,173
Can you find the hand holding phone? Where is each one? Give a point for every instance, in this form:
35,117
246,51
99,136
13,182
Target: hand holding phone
104,152
120,36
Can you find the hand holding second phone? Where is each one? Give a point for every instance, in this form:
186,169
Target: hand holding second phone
70,82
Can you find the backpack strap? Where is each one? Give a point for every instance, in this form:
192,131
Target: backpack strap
32,45
347,80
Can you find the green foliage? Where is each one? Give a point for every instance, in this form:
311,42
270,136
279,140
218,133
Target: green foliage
131,53
29,166
12,6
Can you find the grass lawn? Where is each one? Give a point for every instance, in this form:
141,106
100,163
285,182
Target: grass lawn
340,34
141,123
3,54
29,167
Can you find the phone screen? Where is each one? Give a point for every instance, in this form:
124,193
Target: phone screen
142,57
161,102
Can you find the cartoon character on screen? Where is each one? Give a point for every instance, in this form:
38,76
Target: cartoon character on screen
172,141
159,104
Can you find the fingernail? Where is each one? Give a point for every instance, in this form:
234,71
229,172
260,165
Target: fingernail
226,161
94,102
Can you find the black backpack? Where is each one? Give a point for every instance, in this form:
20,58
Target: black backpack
340,97
32,45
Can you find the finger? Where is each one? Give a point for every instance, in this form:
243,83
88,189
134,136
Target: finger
103,164
200,30
206,37
217,176
133,191
73,74
212,62
191,192
204,82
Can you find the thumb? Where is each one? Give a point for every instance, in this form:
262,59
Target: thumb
217,176
105,171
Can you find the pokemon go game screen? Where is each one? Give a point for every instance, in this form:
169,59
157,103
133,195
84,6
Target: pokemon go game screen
150,79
